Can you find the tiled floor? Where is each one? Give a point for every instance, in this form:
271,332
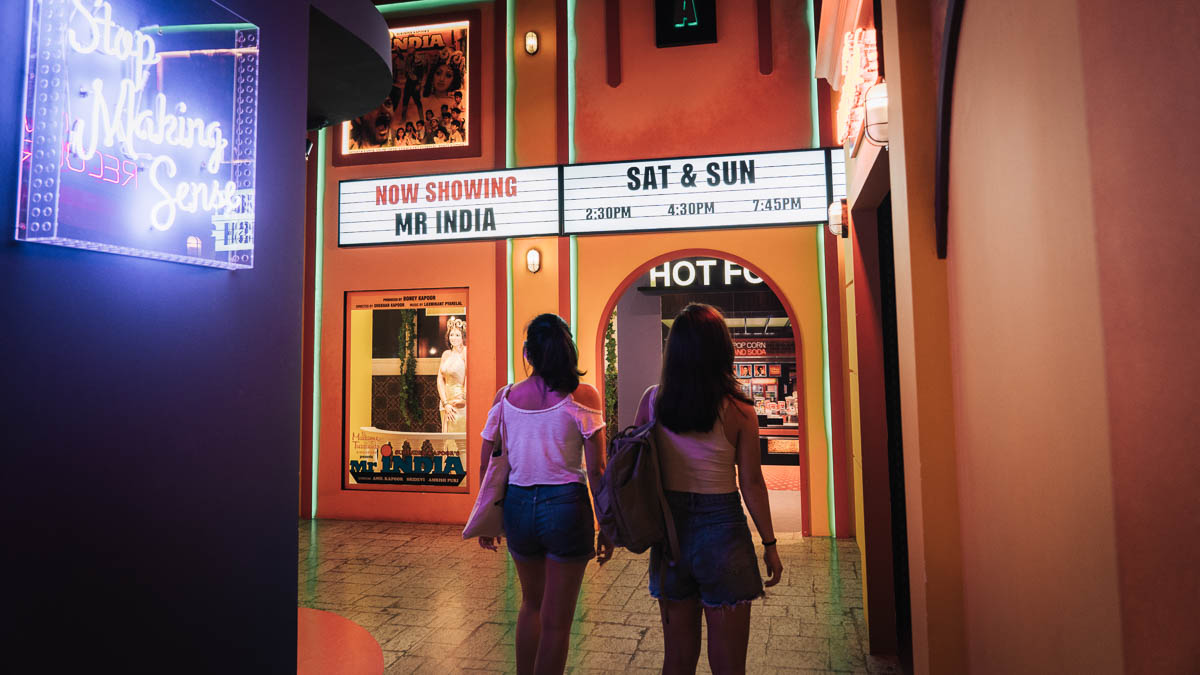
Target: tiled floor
781,477
438,604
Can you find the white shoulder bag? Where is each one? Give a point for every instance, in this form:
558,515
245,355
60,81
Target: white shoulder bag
487,516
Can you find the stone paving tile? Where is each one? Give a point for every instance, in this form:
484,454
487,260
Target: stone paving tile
439,605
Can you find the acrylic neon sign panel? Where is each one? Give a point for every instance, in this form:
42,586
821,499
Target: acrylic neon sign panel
140,130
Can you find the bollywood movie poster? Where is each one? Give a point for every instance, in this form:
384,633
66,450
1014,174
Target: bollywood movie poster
406,390
430,101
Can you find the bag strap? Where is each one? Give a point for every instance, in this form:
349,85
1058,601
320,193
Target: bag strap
503,397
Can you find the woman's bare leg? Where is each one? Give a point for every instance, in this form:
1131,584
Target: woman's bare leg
558,611
728,635
532,574
681,635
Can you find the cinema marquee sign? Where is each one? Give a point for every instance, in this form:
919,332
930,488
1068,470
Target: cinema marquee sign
448,208
140,130
771,188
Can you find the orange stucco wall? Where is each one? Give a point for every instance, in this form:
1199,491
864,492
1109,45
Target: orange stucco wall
1082,479
694,100
1028,353
469,265
847,332
786,258
409,267
535,94
923,345
533,293
1145,172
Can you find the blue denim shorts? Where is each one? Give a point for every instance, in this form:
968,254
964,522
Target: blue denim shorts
549,521
717,561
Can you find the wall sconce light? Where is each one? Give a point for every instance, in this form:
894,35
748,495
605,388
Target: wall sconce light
533,260
875,127
531,43
838,226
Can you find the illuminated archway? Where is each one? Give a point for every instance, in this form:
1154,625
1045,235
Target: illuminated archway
797,355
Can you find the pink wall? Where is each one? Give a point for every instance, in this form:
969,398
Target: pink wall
692,100
1027,346
1073,257
1142,103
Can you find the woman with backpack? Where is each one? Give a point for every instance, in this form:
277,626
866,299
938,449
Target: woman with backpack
549,422
705,427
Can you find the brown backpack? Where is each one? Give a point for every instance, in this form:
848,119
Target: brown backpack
630,505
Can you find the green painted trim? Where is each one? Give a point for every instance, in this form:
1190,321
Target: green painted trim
812,67
512,367
575,288
197,28
572,52
827,409
318,276
420,5
510,106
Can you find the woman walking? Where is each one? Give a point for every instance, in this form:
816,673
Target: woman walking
550,421
705,428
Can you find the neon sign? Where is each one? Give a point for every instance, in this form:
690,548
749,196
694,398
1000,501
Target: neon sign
706,271
140,130
860,70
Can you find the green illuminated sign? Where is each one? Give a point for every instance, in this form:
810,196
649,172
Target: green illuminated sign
684,22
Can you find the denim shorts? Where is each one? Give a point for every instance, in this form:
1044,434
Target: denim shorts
549,521
717,561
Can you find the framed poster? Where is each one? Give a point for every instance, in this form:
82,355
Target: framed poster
433,110
760,370
774,370
743,370
406,391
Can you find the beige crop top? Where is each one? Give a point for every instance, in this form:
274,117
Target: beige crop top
702,462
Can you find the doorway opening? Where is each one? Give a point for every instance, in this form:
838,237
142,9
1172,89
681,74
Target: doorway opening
766,345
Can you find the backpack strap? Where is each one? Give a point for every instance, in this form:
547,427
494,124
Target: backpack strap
672,538
671,553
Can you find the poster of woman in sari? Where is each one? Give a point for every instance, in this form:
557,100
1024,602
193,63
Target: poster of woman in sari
406,390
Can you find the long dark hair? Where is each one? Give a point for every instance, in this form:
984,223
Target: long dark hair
552,353
697,374
456,81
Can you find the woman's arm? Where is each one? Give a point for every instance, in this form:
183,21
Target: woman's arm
643,411
485,451
593,453
752,484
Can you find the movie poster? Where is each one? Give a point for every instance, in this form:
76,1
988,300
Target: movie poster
430,98
406,390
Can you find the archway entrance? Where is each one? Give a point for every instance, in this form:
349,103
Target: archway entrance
766,344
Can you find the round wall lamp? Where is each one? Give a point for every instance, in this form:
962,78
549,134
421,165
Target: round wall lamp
533,260
531,43
838,226
875,126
